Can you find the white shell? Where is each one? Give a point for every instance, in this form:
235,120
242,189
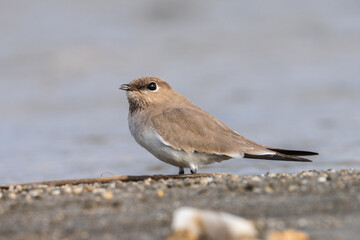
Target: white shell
213,225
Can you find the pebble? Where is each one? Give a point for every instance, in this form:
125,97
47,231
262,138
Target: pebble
88,188
147,181
107,195
256,179
206,224
112,185
98,190
206,180
160,193
77,189
322,179
268,189
288,234
36,192
179,184
56,192
12,195
67,190
270,174
28,198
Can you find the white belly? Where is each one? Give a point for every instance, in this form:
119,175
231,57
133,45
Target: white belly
152,141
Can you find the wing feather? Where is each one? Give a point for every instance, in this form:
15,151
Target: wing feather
194,130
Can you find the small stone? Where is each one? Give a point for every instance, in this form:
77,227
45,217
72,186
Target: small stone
212,184
98,190
49,189
12,195
160,193
28,198
88,188
270,174
36,192
56,192
233,177
288,234
189,182
112,185
268,189
178,184
322,179
108,195
214,225
206,180
77,189
219,179
67,190
147,181
256,179
257,190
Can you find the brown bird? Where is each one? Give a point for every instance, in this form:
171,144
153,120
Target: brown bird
178,132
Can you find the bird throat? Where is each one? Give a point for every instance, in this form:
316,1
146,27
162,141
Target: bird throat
137,105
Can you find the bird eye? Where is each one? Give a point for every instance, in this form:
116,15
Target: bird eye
152,86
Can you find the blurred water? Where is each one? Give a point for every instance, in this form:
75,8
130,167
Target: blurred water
284,73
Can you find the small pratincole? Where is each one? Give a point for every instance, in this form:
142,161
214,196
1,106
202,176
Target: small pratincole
178,132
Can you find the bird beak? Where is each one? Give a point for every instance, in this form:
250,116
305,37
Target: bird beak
125,87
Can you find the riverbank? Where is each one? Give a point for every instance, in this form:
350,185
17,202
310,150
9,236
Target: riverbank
322,204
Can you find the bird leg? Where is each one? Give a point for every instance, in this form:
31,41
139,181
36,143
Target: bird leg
193,168
181,171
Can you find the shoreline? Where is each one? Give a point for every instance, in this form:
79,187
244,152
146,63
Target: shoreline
322,204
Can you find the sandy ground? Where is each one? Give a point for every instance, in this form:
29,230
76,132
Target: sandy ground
323,204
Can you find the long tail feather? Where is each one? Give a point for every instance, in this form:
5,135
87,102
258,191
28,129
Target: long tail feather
278,157
293,152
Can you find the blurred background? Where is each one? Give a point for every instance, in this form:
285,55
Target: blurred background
283,73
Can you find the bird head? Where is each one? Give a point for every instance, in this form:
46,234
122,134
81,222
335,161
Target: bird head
145,91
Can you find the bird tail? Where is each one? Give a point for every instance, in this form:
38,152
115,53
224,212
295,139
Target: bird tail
293,152
280,156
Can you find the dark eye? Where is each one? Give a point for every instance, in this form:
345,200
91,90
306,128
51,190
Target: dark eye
152,86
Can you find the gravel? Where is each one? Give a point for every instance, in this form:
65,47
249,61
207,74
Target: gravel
323,204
